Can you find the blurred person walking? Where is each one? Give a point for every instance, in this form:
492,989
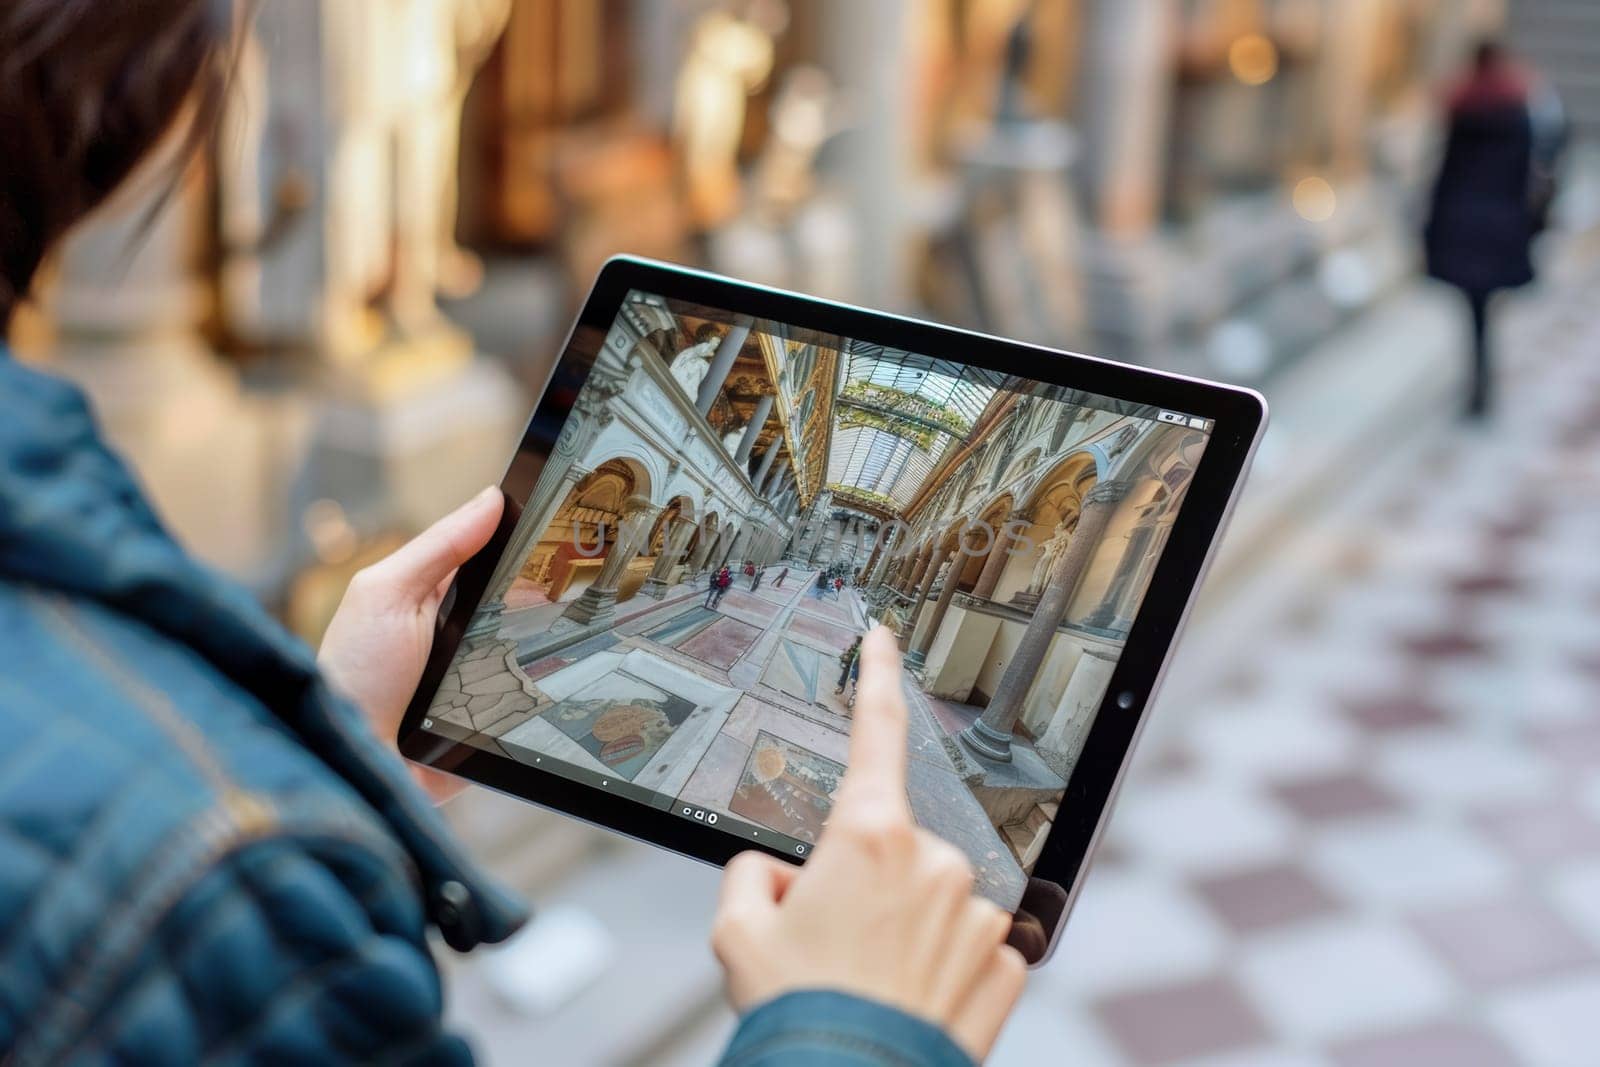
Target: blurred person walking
1492,194
211,849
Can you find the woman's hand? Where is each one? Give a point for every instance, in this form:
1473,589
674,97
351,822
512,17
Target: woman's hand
379,639
883,909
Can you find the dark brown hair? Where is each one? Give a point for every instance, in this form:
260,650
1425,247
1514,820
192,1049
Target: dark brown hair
87,89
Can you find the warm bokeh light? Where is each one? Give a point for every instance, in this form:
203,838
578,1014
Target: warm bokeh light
1314,199
1253,58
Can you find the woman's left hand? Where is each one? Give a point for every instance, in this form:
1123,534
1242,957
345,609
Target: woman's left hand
378,642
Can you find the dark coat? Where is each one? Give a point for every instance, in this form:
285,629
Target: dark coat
1482,220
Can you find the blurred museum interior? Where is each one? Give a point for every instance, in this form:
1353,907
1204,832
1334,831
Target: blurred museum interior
333,333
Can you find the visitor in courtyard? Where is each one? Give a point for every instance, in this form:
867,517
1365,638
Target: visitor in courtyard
781,576
1492,194
211,848
822,584
850,662
719,586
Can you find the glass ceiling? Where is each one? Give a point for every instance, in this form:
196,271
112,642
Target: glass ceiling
897,415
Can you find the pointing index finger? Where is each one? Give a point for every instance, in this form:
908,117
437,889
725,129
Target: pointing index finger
878,733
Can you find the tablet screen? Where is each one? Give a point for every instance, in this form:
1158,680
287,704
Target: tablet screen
733,502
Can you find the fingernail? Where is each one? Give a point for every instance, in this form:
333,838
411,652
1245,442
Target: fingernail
489,492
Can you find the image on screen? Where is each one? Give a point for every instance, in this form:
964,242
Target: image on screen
734,502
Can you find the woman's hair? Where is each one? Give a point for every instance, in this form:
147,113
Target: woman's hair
87,89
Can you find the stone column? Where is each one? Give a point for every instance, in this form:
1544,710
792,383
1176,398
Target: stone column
764,471
952,579
597,604
1069,727
717,375
999,555
672,547
1124,99
990,737
753,431
936,559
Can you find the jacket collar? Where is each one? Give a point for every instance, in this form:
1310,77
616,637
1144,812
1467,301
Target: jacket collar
73,519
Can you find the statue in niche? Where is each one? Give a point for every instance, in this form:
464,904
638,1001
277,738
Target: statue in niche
1051,552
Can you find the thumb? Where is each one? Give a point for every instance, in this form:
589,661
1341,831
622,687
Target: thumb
753,884
416,569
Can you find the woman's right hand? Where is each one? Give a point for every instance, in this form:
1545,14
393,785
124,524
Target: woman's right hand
883,910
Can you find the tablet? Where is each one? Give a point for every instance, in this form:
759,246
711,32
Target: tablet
724,486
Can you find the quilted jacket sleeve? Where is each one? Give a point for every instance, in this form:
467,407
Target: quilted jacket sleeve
281,956
818,1028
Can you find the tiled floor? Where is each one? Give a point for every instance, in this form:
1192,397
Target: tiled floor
1378,843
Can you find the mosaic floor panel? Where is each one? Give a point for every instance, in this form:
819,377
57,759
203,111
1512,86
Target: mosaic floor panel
786,788
621,720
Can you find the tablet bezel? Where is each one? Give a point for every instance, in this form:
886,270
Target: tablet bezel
1239,417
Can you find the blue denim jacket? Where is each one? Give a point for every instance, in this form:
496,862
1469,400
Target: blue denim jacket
204,853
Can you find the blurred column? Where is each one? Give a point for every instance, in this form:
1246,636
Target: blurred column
1349,55
1125,100
873,52
1126,96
